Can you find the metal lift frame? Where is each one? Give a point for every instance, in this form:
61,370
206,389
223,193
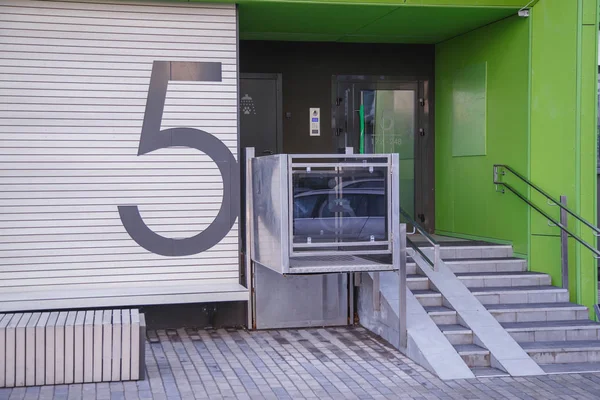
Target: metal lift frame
269,224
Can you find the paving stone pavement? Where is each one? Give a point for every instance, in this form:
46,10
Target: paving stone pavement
332,363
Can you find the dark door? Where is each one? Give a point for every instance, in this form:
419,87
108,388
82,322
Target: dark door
387,116
260,124
260,113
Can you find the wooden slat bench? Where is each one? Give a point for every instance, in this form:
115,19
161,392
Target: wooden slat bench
61,347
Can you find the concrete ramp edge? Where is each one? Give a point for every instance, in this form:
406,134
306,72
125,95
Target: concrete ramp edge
427,345
506,353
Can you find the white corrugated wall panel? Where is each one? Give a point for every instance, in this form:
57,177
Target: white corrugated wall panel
74,78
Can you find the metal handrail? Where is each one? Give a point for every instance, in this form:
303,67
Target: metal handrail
555,222
541,191
418,250
562,224
436,247
418,227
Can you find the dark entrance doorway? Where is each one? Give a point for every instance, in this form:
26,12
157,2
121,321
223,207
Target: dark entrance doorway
390,115
260,125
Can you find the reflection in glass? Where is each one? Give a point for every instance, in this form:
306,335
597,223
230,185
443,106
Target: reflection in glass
347,205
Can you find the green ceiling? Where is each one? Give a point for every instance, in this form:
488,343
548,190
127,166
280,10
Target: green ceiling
361,23
375,21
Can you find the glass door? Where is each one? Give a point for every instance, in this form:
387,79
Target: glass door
374,115
387,124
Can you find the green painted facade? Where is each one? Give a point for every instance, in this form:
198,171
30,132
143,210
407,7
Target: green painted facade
540,103
563,132
541,120
466,201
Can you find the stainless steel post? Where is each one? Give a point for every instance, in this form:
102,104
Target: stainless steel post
352,277
249,245
436,257
399,249
402,328
564,245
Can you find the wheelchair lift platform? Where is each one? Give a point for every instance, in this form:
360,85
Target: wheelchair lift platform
317,214
320,214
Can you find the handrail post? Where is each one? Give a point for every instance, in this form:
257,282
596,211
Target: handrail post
402,328
436,257
564,245
250,154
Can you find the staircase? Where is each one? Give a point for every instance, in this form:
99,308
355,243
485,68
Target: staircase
555,333
460,336
547,329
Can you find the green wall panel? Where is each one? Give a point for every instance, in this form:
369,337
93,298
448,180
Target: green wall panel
590,12
563,133
466,200
469,110
588,175
545,257
553,105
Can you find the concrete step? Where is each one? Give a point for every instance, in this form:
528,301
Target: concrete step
411,268
457,250
498,279
488,372
529,312
501,264
550,331
417,282
563,352
570,368
442,315
457,334
473,355
520,294
428,297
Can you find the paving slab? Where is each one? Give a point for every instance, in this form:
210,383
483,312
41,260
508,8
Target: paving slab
329,363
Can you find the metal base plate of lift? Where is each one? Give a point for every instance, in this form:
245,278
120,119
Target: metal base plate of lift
332,264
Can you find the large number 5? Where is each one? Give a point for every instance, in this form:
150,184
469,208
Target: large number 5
152,138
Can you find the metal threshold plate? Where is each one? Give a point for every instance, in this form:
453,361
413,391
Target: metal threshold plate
332,264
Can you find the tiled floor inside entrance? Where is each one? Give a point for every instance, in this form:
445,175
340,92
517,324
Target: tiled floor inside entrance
332,363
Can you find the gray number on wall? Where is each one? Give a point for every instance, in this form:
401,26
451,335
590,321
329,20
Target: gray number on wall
152,138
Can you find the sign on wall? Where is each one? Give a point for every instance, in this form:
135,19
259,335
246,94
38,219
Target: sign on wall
153,138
